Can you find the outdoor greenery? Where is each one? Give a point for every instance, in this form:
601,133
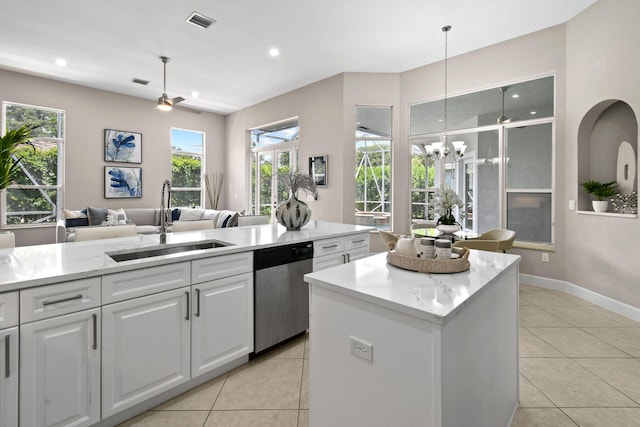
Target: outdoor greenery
186,171
373,181
423,177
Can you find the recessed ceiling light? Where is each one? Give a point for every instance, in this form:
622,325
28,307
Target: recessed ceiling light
274,51
515,95
533,113
195,94
61,62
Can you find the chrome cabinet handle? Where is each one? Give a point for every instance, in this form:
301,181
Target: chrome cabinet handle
197,302
358,241
330,246
95,331
187,316
57,301
7,358
348,257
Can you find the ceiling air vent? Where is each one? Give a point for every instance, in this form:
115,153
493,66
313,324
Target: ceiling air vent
140,81
200,20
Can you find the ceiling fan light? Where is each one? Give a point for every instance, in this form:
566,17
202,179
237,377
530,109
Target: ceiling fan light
164,106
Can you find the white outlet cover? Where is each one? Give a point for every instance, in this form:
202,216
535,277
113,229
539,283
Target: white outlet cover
361,349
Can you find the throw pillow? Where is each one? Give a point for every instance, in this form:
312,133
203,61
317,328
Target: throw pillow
191,214
73,214
225,218
97,215
230,220
76,222
122,216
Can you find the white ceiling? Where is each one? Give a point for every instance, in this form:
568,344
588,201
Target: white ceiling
107,43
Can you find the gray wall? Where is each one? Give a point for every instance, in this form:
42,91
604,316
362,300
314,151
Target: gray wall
88,113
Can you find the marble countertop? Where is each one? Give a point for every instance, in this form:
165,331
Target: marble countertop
433,297
28,266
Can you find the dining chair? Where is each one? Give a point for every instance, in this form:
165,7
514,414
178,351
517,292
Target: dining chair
496,240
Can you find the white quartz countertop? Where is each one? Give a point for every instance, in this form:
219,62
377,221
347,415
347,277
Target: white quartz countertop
433,297
27,266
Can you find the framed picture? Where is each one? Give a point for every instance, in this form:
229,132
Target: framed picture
122,183
122,146
318,170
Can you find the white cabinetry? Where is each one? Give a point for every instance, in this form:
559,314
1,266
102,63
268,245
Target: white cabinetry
222,322
60,370
145,348
9,359
339,250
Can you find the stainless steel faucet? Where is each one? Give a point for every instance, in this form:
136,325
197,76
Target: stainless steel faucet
163,214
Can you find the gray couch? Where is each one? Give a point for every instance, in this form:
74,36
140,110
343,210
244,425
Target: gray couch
146,220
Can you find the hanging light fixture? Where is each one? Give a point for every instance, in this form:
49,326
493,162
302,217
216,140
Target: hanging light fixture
503,118
439,150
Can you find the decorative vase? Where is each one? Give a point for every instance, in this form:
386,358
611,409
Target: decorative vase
293,213
448,228
600,205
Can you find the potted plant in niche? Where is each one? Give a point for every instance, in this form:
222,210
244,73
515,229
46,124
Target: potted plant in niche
294,213
12,144
602,191
444,200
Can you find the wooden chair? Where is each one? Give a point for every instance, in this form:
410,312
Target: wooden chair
496,240
107,232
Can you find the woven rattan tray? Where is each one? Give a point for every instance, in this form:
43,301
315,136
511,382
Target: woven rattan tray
422,265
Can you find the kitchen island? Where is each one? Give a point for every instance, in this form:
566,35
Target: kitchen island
395,347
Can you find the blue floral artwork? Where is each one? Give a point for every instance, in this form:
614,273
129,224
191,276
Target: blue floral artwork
122,182
122,146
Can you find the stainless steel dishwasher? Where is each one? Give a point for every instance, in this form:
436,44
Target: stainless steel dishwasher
281,296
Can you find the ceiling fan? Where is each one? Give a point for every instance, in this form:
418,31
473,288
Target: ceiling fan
164,102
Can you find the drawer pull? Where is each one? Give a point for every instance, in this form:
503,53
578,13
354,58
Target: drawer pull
330,246
45,303
197,302
358,241
187,316
95,331
7,357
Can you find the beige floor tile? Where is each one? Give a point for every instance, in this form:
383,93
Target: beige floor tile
531,397
168,419
623,374
256,418
605,417
303,418
304,389
626,339
567,384
531,345
538,316
530,288
575,342
290,350
271,383
571,298
542,298
618,318
200,398
551,417
307,348
583,316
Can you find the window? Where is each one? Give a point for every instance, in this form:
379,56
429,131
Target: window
274,151
373,166
35,196
187,161
505,177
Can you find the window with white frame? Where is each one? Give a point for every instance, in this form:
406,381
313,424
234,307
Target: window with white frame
34,198
505,177
187,164
373,166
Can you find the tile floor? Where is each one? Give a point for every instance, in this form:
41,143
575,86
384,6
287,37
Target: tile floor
579,366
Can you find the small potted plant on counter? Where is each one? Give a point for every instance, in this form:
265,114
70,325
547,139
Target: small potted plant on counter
602,191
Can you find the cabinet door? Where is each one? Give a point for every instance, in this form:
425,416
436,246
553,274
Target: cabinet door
60,370
145,348
9,377
355,254
328,261
222,325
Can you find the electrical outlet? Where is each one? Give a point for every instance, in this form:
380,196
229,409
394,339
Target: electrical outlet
545,256
361,349
572,205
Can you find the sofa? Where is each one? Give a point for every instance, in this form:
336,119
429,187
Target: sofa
146,220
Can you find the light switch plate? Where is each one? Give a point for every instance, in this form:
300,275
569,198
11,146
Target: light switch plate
572,205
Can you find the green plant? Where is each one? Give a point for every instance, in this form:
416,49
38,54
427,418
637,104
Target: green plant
12,145
601,190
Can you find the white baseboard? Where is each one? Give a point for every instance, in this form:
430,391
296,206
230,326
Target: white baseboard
587,295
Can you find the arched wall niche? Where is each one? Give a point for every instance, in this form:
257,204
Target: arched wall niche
605,126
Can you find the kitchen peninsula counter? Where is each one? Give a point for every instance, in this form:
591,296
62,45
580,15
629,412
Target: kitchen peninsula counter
395,347
28,266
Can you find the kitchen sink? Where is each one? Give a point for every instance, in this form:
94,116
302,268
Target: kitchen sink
129,255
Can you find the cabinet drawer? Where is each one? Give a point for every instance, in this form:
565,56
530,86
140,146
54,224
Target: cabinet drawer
327,261
357,241
54,300
8,309
328,246
357,253
203,270
146,281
